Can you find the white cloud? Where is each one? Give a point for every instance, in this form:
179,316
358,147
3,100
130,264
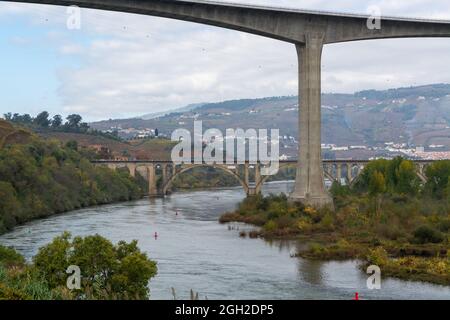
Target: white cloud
135,64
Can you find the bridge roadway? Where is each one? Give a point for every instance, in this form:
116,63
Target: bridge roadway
309,31
160,174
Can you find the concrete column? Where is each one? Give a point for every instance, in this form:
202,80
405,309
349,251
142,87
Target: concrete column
151,176
309,183
246,179
257,178
112,166
164,172
132,169
339,172
164,177
349,173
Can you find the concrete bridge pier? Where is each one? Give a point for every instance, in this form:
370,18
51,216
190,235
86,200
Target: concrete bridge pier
309,183
132,169
252,189
349,173
165,179
151,176
338,173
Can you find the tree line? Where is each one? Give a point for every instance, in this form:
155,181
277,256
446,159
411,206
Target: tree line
44,122
73,122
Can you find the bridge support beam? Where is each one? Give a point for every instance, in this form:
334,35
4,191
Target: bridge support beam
164,179
309,184
338,173
151,176
132,169
258,184
349,173
246,174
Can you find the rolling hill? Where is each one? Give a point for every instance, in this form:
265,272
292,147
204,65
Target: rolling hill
413,115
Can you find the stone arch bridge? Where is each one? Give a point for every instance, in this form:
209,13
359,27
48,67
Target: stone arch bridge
160,174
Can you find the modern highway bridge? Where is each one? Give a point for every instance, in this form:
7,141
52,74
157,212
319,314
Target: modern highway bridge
309,31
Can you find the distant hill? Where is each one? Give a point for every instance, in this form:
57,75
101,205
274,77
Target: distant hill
189,107
415,115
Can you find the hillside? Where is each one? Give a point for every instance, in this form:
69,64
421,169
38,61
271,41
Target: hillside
417,116
11,135
30,165
158,149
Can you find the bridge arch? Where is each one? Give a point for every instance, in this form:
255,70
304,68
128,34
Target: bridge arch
285,165
224,168
265,178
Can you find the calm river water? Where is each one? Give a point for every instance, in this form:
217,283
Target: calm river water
194,251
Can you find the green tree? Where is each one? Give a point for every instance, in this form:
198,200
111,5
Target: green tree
10,257
377,183
72,144
9,206
52,260
73,121
108,271
57,121
406,178
42,119
438,175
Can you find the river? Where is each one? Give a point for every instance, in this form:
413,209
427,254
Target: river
194,251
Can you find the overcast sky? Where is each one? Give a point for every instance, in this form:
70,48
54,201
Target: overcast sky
122,65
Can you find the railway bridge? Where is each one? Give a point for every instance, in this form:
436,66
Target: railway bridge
160,174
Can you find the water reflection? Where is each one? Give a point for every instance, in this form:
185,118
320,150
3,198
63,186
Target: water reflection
310,271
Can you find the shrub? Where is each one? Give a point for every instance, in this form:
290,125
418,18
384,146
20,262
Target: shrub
377,256
444,225
8,293
304,224
390,231
316,248
427,234
327,222
270,226
285,222
10,257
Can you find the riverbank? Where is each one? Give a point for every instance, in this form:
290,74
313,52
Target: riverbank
410,250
